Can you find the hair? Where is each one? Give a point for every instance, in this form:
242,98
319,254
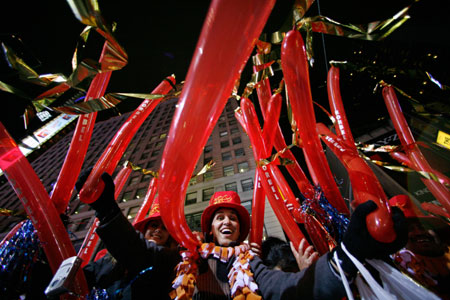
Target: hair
277,253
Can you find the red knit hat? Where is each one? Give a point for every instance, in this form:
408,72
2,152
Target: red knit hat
228,199
154,214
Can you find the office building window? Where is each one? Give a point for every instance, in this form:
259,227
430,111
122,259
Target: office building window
239,152
223,133
159,144
208,176
207,194
243,167
222,125
206,160
155,153
193,181
127,196
147,177
232,122
194,221
224,144
226,156
83,224
148,146
150,164
134,180
191,198
234,130
153,138
132,212
144,155
140,193
247,184
232,186
228,171
208,148
237,140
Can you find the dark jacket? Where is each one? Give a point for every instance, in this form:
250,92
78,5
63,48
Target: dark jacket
316,282
131,253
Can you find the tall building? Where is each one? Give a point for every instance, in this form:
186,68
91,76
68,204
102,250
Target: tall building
228,147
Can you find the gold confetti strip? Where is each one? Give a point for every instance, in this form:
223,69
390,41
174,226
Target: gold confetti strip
142,170
427,175
108,101
12,213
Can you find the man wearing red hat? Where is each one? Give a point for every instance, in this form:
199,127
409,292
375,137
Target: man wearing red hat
140,259
225,222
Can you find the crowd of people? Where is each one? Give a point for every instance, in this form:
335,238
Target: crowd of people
141,260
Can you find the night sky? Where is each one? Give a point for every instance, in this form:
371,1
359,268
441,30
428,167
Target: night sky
160,39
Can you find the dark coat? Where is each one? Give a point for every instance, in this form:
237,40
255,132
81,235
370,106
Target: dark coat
316,282
131,253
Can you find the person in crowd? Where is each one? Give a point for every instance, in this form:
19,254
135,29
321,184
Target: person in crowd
280,255
426,255
226,222
140,260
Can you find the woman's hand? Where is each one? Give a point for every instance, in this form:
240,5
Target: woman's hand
304,257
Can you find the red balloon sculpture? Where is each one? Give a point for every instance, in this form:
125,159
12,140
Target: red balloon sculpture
228,35
294,169
148,200
73,162
275,187
114,151
365,184
439,190
39,207
296,75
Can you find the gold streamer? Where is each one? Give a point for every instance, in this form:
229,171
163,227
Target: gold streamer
205,168
142,170
426,175
12,213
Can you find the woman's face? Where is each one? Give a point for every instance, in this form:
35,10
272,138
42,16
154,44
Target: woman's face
225,227
157,232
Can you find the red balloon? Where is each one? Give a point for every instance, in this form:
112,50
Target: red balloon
294,169
439,190
148,200
296,75
337,108
93,186
258,207
91,239
365,185
271,123
73,162
403,159
41,210
271,178
268,179
228,35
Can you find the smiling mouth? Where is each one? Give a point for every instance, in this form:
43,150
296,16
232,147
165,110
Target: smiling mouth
226,231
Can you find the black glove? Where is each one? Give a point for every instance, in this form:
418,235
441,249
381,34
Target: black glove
362,245
82,179
105,206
